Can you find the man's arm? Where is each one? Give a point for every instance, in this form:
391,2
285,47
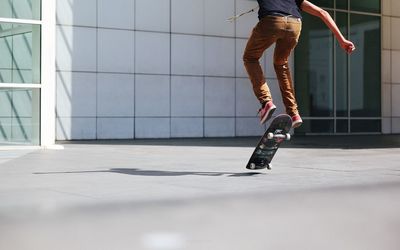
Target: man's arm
314,10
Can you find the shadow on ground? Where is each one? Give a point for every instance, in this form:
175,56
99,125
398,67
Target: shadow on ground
298,141
140,172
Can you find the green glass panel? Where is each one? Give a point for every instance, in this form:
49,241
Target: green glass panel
21,9
20,53
366,126
365,68
323,3
342,126
316,126
342,4
314,69
341,69
19,116
366,5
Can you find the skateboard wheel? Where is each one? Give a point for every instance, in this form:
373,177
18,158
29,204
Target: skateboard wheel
269,166
270,136
252,166
288,137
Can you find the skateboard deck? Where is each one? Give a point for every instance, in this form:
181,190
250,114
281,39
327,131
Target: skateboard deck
269,143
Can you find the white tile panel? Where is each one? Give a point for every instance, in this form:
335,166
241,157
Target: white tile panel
219,127
152,15
76,12
395,7
386,32
395,34
115,128
115,95
386,7
187,96
116,14
152,53
386,100
216,13
219,56
187,127
219,96
246,101
386,125
152,128
152,94
395,66
76,94
187,16
187,55
69,128
115,51
246,23
386,66
76,48
396,125
396,100
249,127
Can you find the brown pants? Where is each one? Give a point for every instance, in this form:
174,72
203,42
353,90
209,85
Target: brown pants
285,32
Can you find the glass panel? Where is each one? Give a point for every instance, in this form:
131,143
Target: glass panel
323,3
19,116
367,6
23,9
341,69
20,53
314,69
342,126
316,126
342,4
365,69
366,126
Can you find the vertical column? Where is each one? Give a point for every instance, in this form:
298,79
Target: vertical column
48,79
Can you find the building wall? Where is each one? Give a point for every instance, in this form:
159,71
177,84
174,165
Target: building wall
155,69
172,68
391,66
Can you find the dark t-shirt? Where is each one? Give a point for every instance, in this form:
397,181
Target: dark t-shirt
286,7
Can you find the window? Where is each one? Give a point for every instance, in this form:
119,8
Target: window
20,79
338,93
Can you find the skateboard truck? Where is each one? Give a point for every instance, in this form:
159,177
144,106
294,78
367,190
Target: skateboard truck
271,136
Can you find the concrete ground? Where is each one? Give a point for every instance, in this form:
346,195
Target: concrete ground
322,193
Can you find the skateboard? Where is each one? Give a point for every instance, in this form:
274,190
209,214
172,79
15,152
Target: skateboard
269,143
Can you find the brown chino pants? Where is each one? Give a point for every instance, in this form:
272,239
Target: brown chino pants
285,32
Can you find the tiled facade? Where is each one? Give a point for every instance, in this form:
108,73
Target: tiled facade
155,69
391,66
173,68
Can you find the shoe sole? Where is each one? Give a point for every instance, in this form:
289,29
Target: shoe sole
268,115
297,124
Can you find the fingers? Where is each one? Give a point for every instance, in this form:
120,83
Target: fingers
350,48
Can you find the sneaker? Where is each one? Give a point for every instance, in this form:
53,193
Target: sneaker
266,112
297,121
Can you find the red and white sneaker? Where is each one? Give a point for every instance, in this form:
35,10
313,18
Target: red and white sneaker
297,121
266,112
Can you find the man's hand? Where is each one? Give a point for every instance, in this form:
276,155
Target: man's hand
314,10
347,46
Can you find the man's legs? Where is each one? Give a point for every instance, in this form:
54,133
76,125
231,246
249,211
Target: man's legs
258,42
283,48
